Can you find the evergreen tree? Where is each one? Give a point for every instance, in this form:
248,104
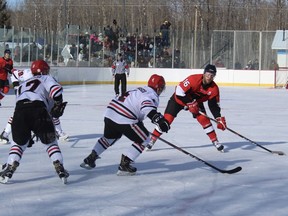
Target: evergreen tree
4,15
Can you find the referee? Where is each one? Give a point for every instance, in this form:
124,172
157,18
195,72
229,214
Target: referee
119,70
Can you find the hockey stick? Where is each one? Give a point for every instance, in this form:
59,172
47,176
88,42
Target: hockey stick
235,170
229,129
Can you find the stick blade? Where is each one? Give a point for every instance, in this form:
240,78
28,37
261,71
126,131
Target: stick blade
232,171
278,152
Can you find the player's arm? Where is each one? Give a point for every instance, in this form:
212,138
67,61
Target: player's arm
56,95
113,68
158,119
216,112
8,68
181,95
214,107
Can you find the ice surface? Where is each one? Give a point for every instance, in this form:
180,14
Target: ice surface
168,182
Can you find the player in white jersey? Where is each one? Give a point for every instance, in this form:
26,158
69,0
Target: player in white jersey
32,115
124,116
19,76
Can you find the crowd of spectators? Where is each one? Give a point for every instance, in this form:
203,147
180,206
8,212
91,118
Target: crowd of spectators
139,50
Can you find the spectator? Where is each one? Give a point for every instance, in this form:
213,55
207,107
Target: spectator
73,51
218,62
165,31
274,65
249,65
17,53
238,65
116,30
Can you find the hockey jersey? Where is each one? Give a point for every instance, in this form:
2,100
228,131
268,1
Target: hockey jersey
19,75
39,88
192,88
120,67
5,66
133,106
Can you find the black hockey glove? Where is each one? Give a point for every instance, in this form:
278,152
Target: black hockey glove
58,109
8,68
161,122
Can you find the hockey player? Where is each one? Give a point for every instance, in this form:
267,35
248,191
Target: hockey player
31,115
6,65
124,116
190,95
17,77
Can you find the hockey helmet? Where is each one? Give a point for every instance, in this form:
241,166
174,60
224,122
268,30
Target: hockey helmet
157,83
8,51
211,69
40,67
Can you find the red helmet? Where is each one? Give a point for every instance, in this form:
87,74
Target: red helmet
157,83
39,67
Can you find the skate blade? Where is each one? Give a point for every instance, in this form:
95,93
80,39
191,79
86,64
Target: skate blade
124,173
3,141
222,150
86,166
64,139
64,180
4,180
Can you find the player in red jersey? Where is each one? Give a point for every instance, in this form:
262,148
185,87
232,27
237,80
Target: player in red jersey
6,65
190,95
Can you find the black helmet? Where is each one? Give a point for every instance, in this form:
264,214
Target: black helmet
7,51
211,69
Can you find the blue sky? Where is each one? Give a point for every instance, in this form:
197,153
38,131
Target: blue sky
13,2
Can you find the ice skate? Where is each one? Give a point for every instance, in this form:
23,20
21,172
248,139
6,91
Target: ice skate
89,162
7,172
4,138
62,173
62,136
218,146
125,169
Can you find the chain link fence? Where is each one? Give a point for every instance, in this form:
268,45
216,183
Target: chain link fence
87,47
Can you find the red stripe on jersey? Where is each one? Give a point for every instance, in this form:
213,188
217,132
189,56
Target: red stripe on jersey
53,148
122,110
104,143
53,90
147,103
16,149
139,147
139,131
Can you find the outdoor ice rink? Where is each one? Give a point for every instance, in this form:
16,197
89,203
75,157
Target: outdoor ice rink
168,182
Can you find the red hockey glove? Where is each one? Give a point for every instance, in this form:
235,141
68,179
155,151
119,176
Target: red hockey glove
221,123
193,107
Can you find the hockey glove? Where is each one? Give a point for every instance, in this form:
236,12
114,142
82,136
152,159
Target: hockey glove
161,122
193,107
8,68
221,123
58,109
